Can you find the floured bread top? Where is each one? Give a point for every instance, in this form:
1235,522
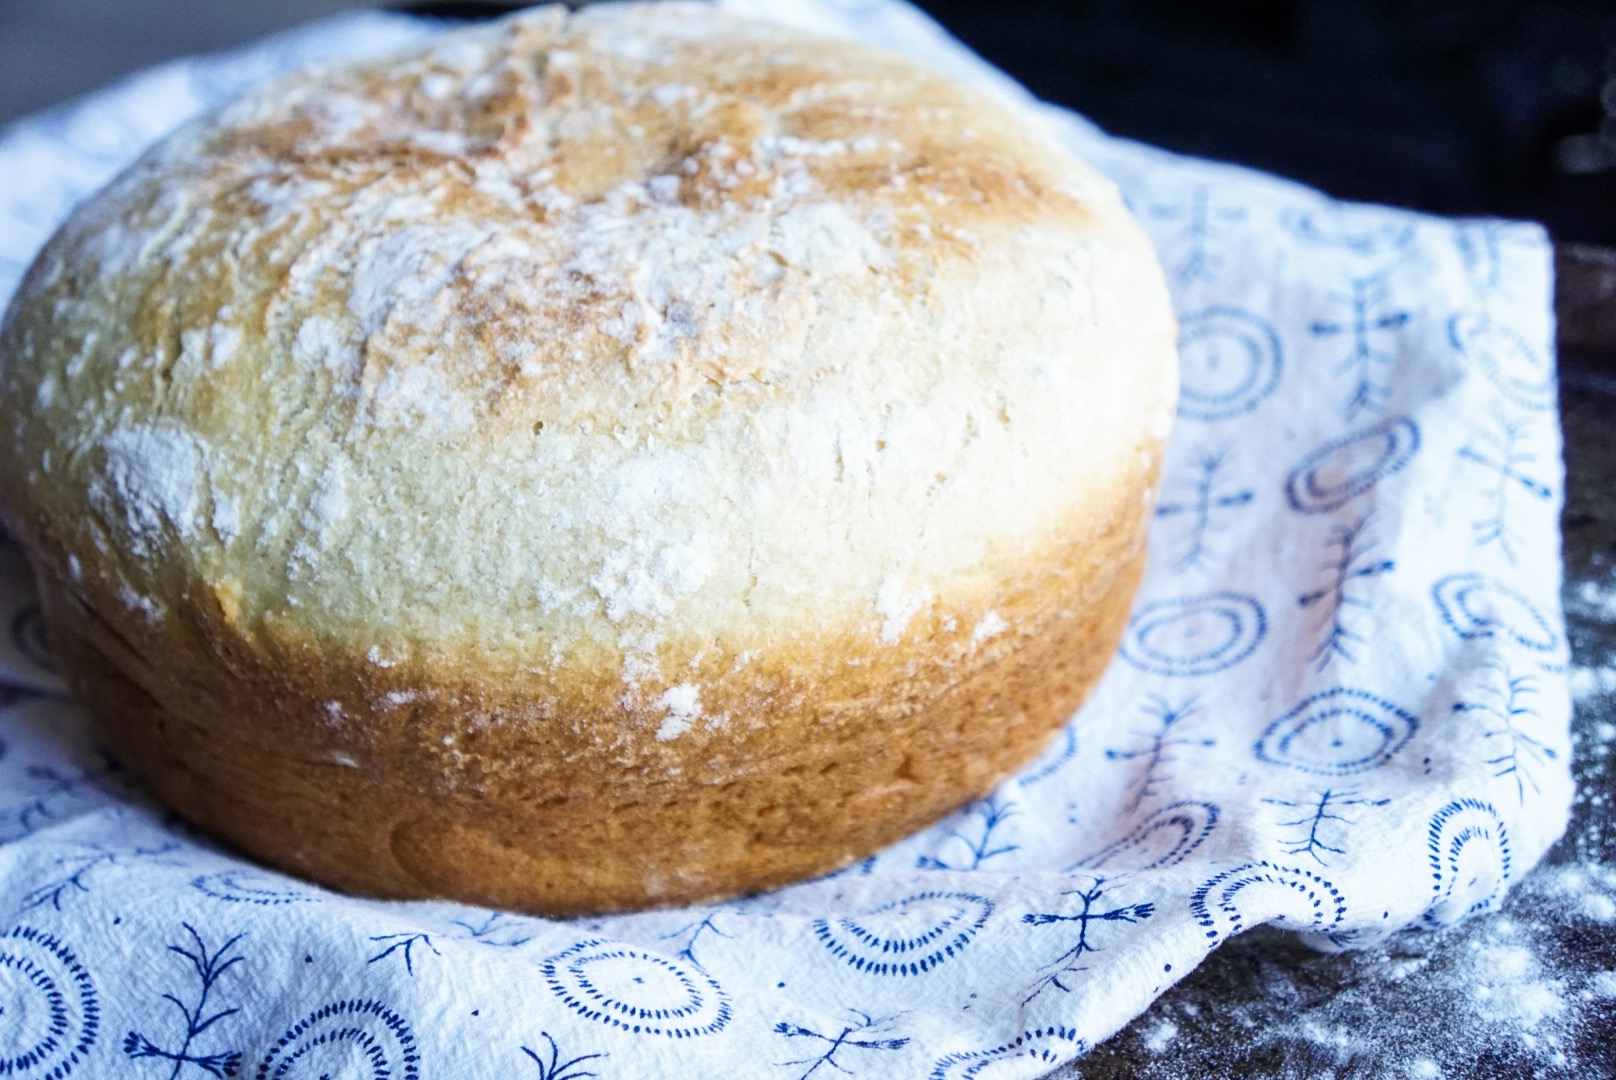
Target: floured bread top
578,332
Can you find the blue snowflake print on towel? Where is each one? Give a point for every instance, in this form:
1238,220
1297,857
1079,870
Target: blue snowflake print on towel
906,937
1310,819
180,1055
863,1033
1349,566
1337,733
1195,635
355,1039
54,791
1368,327
1505,705
1058,973
1468,851
1159,746
1342,470
1256,892
636,991
973,840
551,1066
402,946
1502,461
1486,247
691,934
50,1013
1229,361
1195,507
75,872
1039,1048
494,929
1194,246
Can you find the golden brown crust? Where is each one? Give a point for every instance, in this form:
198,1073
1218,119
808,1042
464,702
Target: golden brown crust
859,749
599,460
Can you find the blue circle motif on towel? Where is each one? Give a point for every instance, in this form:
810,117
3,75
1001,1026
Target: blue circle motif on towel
1468,849
246,886
1475,606
1337,733
1229,361
1195,635
1258,892
50,1015
1340,471
1042,1046
1165,838
910,936
358,1039
1350,228
1522,373
1062,750
639,992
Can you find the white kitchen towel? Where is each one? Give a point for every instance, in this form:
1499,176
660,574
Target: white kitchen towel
1340,706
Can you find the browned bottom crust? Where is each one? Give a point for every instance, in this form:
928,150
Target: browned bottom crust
845,768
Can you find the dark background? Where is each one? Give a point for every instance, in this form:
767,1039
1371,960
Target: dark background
1454,106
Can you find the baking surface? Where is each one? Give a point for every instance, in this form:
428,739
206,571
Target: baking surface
1528,990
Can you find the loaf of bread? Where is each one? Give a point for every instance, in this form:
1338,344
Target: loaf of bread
592,461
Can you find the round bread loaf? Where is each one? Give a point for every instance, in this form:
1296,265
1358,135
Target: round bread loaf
592,461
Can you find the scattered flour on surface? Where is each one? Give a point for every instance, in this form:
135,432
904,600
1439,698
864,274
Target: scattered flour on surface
1598,597
1160,1034
1510,987
1587,682
223,342
1424,1069
1602,985
1599,907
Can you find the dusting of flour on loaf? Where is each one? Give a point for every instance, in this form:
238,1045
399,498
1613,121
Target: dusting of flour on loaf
642,579
329,503
321,341
151,480
897,608
226,517
991,625
683,705
149,608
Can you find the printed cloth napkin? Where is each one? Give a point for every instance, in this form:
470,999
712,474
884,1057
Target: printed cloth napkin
1340,706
